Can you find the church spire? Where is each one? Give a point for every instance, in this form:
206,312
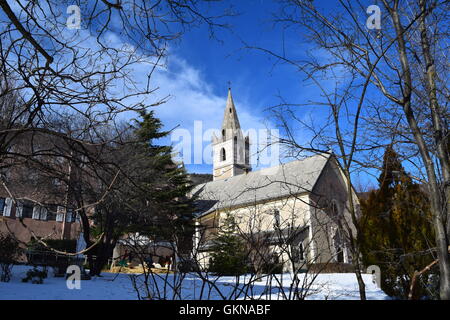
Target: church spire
230,118
231,152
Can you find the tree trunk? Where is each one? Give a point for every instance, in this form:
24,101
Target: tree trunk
442,206
104,252
438,209
354,239
361,284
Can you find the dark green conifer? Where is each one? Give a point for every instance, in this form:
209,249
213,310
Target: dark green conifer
396,231
229,255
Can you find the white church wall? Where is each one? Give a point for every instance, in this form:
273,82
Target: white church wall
293,211
330,198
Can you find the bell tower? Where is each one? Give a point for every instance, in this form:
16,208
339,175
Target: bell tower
231,150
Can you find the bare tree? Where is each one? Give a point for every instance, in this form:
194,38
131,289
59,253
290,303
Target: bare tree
64,85
400,69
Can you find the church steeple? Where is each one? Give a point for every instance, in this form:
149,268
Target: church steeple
230,118
231,150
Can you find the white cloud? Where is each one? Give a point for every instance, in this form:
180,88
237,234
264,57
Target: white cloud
192,99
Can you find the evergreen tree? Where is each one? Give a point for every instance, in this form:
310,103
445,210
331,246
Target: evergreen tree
150,195
396,231
162,185
229,255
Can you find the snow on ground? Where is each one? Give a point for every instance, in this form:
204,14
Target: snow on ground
342,286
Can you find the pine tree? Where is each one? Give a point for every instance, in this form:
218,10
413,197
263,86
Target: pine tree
229,255
164,184
150,196
396,230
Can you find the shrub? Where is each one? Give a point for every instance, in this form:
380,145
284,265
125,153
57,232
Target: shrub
229,255
10,252
224,264
396,232
185,266
272,268
35,275
38,254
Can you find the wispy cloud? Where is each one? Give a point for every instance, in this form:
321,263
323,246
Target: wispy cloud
191,100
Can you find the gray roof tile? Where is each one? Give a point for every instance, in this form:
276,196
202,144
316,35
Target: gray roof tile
270,183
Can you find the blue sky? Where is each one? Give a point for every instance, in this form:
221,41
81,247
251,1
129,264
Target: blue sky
201,67
198,69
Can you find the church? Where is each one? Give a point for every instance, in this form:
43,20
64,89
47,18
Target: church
293,213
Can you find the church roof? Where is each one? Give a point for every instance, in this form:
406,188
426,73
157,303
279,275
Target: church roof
230,118
280,181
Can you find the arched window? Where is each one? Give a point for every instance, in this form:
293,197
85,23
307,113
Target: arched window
298,252
335,213
223,155
235,148
247,151
223,134
338,247
276,218
301,252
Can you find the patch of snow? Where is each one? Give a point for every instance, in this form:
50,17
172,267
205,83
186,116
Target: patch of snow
341,286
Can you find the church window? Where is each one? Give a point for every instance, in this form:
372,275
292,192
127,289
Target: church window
223,134
223,155
235,148
276,216
247,152
301,251
334,211
338,247
298,252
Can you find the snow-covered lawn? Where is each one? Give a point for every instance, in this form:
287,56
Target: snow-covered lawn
119,287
